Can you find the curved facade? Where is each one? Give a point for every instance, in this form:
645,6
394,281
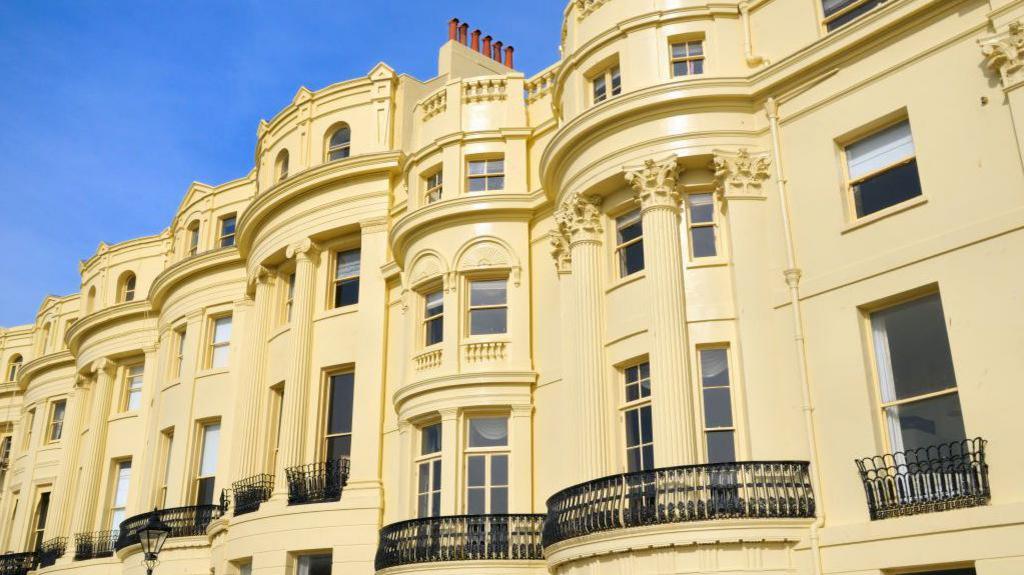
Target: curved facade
729,288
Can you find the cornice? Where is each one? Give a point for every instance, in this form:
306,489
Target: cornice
449,381
266,203
105,249
188,268
448,212
43,364
120,313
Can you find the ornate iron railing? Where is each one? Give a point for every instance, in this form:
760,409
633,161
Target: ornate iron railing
52,550
461,538
17,563
317,482
183,521
935,478
753,489
248,493
95,545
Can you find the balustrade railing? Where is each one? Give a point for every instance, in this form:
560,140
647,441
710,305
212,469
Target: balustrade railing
183,521
461,538
51,550
246,495
317,482
95,545
739,490
17,563
935,478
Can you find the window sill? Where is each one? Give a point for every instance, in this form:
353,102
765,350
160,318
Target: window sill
882,214
123,415
212,371
709,262
622,282
334,312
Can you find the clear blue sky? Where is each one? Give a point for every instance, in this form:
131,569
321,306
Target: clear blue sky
110,108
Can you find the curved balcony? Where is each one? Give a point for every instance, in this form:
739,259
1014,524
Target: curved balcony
96,545
183,521
925,480
17,563
689,493
317,482
461,538
52,550
246,495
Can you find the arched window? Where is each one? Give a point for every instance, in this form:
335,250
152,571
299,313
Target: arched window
281,165
338,146
44,339
90,300
193,238
127,290
13,367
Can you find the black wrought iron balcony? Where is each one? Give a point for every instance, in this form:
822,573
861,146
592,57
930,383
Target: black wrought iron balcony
52,550
461,538
17,563
740,490
95,545
317,482
246,495
928,479
183,521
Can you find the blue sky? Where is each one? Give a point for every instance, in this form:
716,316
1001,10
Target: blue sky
110,108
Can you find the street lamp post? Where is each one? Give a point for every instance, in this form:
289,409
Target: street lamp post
152,538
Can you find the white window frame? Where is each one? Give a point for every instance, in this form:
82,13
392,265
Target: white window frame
55,426
713,224
486,175
341,150
850,182
179,356
488,453
705,429
689,59
428,320
637,405
434,184
624,221
227,236
606,80
193,237
202,474
432,463
471,307
134,375
121,471
337,279
216,345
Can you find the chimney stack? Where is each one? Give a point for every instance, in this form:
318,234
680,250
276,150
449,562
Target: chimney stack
458,31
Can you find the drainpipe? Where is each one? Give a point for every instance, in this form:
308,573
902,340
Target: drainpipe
753,60
792,274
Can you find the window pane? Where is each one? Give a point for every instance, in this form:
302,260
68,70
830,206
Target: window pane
339,447
435,331
679,50
681,69
347,264
702,208
632,427
487,321
646,431
211,444
633,461
496,166
488,432
315,565
930,421
499,470
629,226
887,189
914,341
489,292
124,473
204,491
227,226
222,330
220,356
431,439
341,136
477,167
476,474
600,89
616,81
424,478
698,66
714,367
499,500
631,259
703,242
346,293
495,183
721,447
475,502
717,407
879,150
134,400
339,415
434,304
478,184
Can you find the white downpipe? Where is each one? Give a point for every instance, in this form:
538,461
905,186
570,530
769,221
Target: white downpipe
792,273
753,60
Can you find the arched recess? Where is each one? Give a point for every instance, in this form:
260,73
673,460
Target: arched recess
488,253
281,165
126,287
13,367
337,142
427,266
90,300
44,336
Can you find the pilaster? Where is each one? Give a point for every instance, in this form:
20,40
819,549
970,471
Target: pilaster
1004,54
251,384
58,524
95,446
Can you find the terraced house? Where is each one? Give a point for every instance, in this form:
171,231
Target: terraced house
731,287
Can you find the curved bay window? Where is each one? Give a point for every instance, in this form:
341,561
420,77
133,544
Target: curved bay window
346,278
428,472
716,394
637,414
488,307
13,367
128,288
338,424
339,145
700,215
433,318
487,466
629,243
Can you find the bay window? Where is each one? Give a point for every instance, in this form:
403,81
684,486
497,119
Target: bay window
119,493
206,474
487,175
629,243
700,215
428,471
716,395
338,432
636,412
488,307
433,318
487,466
346,278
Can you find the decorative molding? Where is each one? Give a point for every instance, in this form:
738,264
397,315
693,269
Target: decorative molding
435,104
579,218
485,351
428,360
306,248
560,250
484,90
740,175
1004,52
541,84
585,8
655,182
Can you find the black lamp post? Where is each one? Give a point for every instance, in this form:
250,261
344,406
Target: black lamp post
152,538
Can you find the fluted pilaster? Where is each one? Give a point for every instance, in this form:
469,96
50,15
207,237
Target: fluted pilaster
58,524
579,223
95,445
253,372
654,184
296,388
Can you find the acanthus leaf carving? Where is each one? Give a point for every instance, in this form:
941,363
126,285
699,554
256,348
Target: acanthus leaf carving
741,175
579,218
560,250
1004,53
655,182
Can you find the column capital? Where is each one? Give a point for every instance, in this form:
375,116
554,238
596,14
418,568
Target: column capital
579,218
560,251
101,365
263,275
303,249
655,183
1004,53
740,174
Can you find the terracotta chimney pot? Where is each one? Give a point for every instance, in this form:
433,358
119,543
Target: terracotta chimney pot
476,40
464,33
497,51
487,45
509,50
453,28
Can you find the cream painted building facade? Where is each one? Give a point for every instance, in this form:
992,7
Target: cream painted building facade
732,287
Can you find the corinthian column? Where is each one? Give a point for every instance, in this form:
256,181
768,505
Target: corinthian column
654,184
296,388
251,378
95,446
71,439
579,223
